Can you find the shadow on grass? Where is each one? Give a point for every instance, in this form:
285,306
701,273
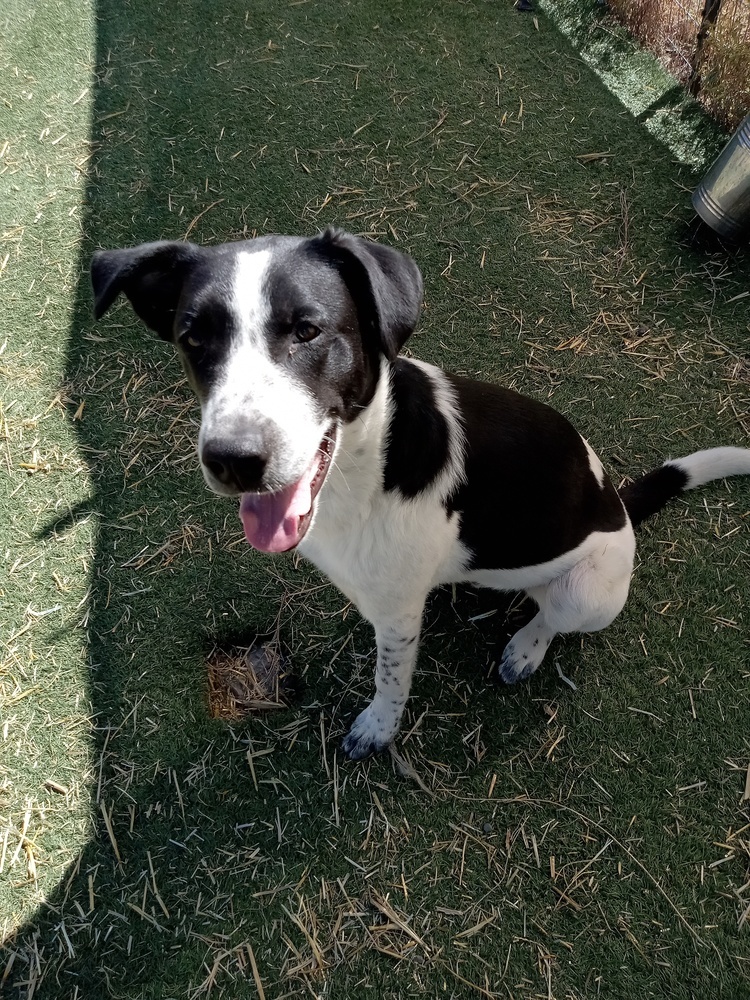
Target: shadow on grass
228,855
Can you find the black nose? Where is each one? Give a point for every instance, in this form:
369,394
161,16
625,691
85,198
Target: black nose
242,471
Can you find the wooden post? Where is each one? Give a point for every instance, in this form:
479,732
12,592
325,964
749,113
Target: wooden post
708,20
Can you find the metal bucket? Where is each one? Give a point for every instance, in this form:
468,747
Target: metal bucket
722,199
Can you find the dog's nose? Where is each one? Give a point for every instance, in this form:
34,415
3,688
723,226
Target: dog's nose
243,471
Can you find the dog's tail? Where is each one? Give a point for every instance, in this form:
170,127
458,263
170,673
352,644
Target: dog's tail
653,491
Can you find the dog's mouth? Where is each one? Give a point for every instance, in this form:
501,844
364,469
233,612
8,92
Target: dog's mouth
277,522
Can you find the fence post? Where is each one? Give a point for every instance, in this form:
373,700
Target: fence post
708,19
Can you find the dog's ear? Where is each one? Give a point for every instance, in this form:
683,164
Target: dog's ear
151,275
386,285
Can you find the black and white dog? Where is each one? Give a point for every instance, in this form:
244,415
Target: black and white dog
389,474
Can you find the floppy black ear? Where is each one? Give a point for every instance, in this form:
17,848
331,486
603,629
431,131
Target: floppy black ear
386,285
151,275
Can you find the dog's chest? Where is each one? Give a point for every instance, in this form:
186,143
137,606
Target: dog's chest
375,545
386,554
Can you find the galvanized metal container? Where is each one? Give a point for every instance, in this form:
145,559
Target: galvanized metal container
722,199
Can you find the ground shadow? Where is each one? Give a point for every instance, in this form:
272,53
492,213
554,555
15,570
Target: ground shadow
283,119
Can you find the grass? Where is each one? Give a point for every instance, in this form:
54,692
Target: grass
645,86
672,32
584,835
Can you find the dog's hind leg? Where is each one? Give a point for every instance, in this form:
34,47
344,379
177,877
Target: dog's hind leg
585,599
375,727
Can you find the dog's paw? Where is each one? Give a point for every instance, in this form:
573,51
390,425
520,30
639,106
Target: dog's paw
515,666
369,734
525,652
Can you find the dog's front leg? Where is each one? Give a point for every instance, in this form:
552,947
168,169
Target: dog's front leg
377,725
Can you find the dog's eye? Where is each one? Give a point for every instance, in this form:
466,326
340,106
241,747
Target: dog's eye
190,340
303,332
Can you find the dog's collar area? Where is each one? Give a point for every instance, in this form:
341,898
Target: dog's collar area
277,522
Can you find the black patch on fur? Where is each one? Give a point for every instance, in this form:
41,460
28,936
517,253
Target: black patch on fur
530,494
208,322
418,433
653,491
336,366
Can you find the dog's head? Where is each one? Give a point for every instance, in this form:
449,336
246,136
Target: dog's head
282,339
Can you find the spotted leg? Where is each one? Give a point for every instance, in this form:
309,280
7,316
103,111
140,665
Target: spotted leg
377,725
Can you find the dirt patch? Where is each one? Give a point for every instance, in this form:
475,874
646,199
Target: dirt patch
243,680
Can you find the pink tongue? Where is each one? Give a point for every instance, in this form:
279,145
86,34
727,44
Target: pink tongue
272,520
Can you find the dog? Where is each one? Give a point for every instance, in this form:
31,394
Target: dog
389,474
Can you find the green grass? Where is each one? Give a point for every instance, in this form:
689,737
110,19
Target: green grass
536,842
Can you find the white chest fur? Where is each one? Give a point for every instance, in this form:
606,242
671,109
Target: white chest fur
376,546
